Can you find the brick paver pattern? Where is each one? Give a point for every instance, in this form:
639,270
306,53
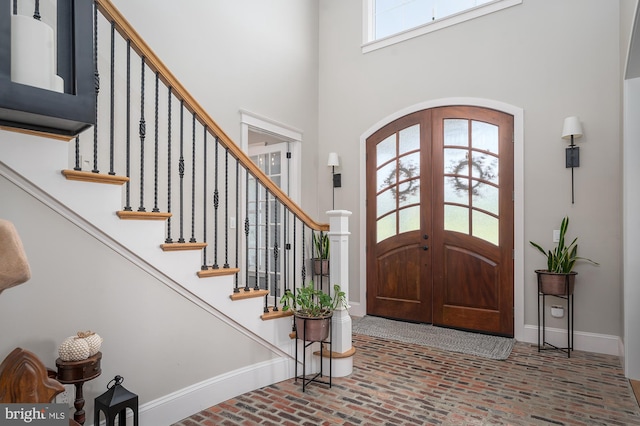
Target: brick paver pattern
398,384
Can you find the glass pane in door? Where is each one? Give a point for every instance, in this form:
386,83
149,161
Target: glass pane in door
271,160
471,181
398,183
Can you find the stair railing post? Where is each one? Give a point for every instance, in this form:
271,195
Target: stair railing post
339,273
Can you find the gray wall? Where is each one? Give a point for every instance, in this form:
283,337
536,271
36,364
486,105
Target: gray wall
259,56
552,59
157,340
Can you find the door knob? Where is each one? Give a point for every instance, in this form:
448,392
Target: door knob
425,247
425,236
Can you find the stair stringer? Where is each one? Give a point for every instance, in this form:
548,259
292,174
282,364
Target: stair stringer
35,163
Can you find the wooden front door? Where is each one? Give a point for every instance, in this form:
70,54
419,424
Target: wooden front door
440,219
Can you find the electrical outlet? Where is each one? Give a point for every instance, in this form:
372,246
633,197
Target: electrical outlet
556,235
66,397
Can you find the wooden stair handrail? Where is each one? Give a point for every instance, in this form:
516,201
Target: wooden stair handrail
155,64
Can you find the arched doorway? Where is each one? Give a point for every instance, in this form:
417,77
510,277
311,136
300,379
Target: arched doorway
440,219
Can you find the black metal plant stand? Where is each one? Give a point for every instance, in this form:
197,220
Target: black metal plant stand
323,344
542,343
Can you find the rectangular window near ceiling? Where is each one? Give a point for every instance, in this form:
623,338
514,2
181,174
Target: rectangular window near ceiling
388,22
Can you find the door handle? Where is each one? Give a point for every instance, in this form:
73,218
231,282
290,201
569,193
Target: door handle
425,247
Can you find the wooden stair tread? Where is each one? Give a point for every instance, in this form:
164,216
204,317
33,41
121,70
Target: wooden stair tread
136,215
275,314
205,273
95,177
336,355
242,294
182,246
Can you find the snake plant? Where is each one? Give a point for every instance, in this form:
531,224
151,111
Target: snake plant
563,257
321,245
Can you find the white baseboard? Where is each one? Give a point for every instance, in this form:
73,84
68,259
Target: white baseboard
582,341
200,396
357,309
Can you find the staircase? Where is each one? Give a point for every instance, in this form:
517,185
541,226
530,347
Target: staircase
88,205
160,183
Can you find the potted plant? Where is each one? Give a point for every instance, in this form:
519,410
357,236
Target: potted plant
320,253
312,309
559,277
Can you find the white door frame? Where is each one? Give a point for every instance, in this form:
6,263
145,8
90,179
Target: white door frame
250,121
360,309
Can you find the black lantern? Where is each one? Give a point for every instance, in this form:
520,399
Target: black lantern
114,403
47,67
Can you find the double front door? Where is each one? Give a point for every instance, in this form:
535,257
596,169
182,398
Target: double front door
440,219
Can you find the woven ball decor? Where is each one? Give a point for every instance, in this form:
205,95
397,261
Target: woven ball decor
81,346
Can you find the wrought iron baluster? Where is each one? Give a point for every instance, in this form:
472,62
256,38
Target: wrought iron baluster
257,227
314,268
246,231
226,208
96,81
77,165
142,131
293,267
112,99
216,202
237,217
295,221
181,172
127,206
169,240
36,12
321,271
276,253
193,179
156,149
287,247
266,248
204,266
303,271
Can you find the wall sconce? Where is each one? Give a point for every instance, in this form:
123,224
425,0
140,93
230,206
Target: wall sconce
334,162
572,129
47,76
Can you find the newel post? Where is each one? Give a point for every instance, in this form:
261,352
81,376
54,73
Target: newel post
342,347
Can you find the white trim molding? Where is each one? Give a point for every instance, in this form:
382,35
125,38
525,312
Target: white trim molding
257,123
582,340
176,406
369,44
270,126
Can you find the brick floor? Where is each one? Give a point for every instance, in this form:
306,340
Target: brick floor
396,384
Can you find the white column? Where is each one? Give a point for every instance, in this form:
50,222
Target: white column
342,347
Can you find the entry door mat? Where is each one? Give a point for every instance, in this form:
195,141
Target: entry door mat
482,345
